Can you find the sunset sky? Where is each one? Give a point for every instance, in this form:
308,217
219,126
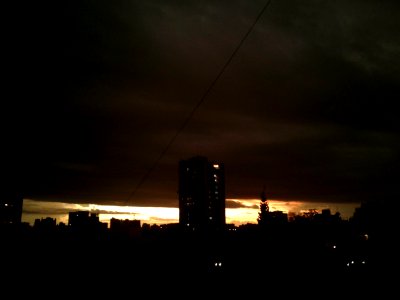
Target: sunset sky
96,90
238,212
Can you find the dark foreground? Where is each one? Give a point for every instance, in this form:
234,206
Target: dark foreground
240,264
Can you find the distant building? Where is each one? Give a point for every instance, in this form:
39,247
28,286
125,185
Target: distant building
84,221
278,217
45,223
125,228
201,194
10,208
45,226
78,219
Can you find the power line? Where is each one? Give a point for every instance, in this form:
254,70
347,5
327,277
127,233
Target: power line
196,107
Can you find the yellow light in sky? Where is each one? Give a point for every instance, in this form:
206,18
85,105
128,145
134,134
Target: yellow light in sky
238,211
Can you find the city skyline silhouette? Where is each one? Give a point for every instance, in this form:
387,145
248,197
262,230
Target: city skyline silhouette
322,247
103,99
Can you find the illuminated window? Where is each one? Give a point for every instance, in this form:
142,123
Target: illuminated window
216,167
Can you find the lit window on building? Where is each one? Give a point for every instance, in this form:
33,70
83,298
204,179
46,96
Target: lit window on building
216,166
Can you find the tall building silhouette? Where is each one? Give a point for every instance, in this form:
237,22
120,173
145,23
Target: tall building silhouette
10,208
201,194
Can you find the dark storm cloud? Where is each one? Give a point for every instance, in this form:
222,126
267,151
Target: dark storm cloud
306,107
236,204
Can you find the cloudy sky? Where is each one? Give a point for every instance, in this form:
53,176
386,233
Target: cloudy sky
97,89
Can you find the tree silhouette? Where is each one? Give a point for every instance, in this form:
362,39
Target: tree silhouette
264,209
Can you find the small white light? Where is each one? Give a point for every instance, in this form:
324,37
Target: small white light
352,261
334,246
219,264
348,264
363,262
216,166
216,264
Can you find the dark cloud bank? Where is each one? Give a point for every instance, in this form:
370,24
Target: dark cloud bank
98,88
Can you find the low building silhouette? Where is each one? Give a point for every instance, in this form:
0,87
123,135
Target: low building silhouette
85,222
125,228
45,223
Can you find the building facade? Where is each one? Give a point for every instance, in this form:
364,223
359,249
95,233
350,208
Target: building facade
201,194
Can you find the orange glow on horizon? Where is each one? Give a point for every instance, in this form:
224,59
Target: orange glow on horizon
238,211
